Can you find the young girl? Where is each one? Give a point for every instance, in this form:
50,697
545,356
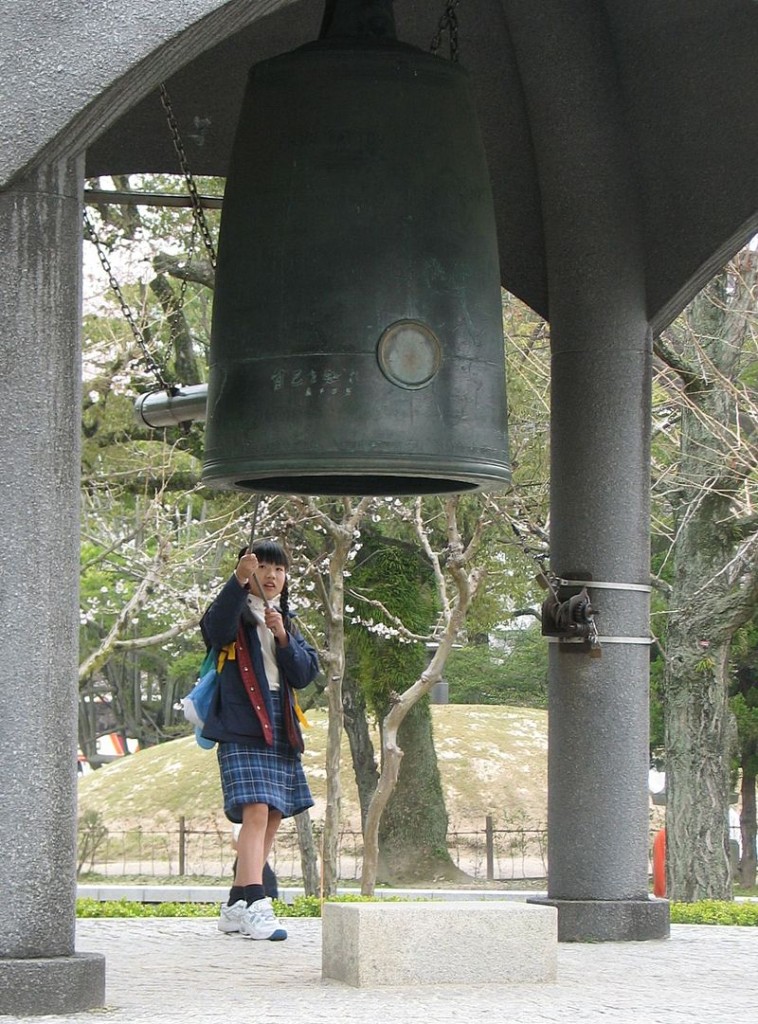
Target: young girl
253,719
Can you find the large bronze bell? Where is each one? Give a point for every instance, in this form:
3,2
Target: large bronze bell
357,343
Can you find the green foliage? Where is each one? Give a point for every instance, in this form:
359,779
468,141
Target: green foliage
744,696
515,674
745,710
310,906
527,349
86,907
661,568
715,912
301,906
383,662
657,723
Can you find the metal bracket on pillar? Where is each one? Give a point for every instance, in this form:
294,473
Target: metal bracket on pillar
568,615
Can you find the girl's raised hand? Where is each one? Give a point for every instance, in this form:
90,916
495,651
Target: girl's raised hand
245,568
275,623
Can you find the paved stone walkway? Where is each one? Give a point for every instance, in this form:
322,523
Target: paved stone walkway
183,971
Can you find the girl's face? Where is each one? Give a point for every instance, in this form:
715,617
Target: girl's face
271,578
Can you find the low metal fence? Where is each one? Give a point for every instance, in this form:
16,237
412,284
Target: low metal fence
488,854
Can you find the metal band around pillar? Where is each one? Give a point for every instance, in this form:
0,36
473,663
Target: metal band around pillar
603,640
642,588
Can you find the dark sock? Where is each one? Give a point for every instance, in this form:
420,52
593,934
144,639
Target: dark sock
253,893
270,883
236,893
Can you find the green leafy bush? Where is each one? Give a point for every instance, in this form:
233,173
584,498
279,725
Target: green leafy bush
704,912
715,912
301,906
87,907
515,674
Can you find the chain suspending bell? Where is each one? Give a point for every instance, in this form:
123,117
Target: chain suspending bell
357,343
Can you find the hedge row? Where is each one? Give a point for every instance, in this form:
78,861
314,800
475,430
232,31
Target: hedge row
714,912
704,912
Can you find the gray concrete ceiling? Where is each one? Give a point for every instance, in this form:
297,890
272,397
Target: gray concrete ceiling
687,76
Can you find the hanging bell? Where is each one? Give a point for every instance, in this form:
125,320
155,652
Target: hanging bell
357,343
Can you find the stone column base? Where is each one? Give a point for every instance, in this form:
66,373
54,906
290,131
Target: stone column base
54,985
609,920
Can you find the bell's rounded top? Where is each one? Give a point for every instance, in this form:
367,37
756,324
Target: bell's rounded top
362,20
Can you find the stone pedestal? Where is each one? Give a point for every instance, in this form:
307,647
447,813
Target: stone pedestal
420,943
52,985
609,920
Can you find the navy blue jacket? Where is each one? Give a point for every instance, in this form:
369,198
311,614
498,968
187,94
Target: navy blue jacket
233,717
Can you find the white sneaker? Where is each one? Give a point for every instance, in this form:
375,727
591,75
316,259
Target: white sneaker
260,922
231,916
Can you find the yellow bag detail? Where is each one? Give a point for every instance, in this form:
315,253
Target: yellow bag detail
229,652
299,712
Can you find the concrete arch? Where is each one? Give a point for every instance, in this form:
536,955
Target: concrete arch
69,74
84,78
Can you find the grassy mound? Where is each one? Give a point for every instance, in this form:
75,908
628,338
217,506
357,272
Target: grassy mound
493,760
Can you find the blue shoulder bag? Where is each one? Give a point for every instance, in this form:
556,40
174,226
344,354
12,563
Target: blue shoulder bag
197,703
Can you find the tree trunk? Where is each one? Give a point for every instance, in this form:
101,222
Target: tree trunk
186,367
361,747
413,829
709,599
308,854
698,723
336,665
87,720
401,707
342,536
342,539
748,830
698,730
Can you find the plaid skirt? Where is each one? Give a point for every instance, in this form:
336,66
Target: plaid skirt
262,774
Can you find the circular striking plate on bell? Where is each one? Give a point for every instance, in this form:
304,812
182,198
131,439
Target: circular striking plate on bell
409,354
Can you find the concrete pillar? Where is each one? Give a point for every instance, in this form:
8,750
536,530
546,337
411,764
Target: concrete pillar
600,467
40,314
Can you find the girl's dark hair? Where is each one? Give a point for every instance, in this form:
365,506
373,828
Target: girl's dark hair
267,551
270,551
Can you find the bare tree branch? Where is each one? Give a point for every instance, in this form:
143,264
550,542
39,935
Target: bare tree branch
396,622
99,657
139,643
198,271
687,370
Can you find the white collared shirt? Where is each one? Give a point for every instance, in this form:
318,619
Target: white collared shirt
268,643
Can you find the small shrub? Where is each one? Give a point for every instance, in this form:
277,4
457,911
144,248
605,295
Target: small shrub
91,834
301,906
715,912
87,907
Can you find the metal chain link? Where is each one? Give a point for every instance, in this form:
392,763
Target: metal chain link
198,211
190,254
448,23
544,576
139,337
